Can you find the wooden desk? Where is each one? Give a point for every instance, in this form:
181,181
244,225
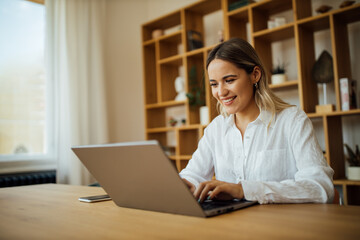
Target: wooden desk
52,211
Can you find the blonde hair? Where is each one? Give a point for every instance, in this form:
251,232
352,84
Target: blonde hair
240,53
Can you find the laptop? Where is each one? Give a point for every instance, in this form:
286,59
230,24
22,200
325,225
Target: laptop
139,175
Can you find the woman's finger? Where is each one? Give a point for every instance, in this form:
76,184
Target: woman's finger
227,191
205,192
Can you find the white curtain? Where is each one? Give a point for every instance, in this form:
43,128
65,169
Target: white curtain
75,67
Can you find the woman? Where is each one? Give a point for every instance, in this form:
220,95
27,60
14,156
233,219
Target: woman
260,148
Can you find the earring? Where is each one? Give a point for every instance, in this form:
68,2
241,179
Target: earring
256,85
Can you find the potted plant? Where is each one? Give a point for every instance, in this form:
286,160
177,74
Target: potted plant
278,74
353,159
196,95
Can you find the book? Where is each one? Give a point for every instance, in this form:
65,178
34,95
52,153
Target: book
348,94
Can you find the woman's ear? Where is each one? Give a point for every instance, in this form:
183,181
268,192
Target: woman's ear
256,74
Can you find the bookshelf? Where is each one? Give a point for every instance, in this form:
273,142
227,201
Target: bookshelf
170,55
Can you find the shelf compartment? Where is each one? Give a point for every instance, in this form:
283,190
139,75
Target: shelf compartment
317,23
285,85
188,141
237,21
163,23
349,14
262,11
169,71
196,82
194,21
306,33
171,45
156,118
276,34
346,15
350,191
268,42
341,35
165,104
163,138
150,82
353,194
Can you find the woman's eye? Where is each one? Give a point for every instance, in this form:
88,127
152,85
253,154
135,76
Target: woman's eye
229,80
213,84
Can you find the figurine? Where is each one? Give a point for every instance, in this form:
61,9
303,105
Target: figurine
180,89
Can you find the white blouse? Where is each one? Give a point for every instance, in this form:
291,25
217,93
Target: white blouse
282,163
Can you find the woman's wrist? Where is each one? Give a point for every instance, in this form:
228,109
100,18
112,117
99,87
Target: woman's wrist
241,191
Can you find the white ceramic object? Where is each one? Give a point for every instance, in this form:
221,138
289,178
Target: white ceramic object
271,24
157,33
204,115
279,21
354,173
278,78
180,89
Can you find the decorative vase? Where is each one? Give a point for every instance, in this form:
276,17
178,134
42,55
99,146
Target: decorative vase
204,115
157,33
278,78
354,173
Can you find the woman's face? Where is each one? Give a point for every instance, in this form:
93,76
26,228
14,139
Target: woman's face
231,86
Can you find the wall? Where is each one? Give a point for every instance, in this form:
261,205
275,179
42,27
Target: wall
124,63
124,69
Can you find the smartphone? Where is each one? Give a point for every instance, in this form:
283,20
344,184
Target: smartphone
97,198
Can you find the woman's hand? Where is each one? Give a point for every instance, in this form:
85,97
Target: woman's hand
219,190
190,185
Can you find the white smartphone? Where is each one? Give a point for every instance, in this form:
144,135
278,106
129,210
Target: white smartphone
97,198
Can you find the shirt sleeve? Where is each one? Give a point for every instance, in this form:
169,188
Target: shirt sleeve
200,167
313,180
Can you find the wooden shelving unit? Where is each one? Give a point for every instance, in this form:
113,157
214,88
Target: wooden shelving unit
170,55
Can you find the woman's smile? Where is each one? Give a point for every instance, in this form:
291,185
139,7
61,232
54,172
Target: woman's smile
228,101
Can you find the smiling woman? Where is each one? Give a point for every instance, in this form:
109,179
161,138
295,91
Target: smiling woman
260,148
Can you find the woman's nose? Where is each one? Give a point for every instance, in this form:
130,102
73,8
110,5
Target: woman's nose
222,90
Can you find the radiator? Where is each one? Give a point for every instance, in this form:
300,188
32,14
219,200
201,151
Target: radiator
28,178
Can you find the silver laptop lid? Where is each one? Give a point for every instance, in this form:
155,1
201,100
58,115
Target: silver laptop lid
139,175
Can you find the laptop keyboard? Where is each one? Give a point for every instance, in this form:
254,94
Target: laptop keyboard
211,204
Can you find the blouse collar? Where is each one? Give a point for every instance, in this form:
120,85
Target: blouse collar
263,118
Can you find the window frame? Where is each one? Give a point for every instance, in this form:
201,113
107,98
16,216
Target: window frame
10,163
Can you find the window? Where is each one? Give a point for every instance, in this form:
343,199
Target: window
25,112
